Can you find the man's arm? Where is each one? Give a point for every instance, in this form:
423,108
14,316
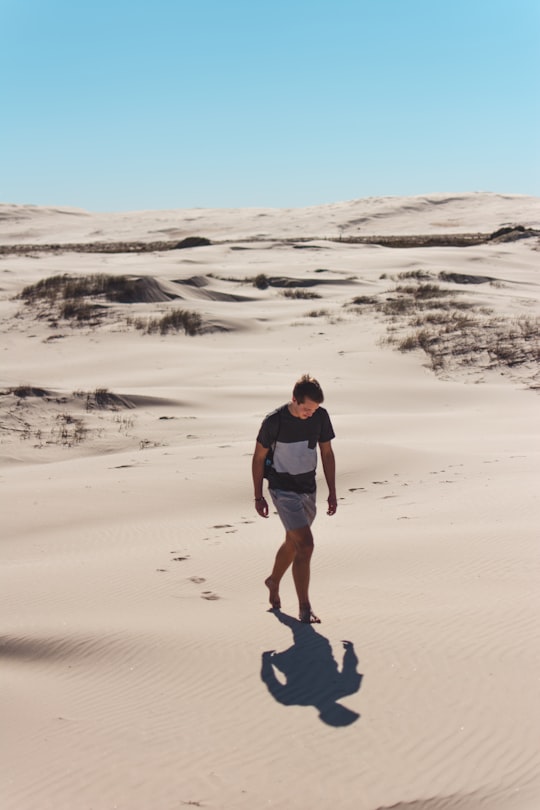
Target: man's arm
257,471
329,467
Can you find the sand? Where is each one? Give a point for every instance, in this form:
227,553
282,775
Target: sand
141,665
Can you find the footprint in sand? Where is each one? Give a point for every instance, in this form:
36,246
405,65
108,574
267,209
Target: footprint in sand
197,580
209,595
231,529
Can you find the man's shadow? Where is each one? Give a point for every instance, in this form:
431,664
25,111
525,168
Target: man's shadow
312,676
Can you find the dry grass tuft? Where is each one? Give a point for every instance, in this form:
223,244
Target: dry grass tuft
299,294
422,292
318,313
177,320
417,275
364,300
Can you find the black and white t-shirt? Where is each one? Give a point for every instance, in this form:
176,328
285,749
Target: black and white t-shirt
295,453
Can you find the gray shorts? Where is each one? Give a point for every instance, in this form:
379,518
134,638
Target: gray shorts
296,509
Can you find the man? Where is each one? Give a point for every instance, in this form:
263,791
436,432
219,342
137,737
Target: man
291,433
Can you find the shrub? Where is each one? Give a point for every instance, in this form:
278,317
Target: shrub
261,281
193,241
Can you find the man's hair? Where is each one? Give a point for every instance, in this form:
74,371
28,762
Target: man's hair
308,388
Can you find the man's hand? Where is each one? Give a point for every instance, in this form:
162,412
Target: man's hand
261,507
332,505
329,467
257,470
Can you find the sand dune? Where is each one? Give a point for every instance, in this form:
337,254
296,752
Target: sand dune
141,666
431,213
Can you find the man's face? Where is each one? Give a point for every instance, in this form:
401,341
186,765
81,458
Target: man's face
305,409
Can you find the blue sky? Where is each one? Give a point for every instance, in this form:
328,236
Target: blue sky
112,105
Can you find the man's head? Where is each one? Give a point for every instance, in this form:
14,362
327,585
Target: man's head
307,396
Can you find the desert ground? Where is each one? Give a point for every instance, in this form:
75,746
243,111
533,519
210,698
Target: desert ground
141,666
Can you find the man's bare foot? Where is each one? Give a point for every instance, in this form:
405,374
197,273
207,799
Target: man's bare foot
275,601
307,616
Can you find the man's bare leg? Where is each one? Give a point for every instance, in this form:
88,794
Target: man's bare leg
303,543
284,558
296,550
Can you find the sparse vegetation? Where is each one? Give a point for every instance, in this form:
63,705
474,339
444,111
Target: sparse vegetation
34,414
490,341
419,275
364,300
424,310
24,391
63,297
121,289
421,292
102,399
317,313
68,430
80,311
465,278
454,332
299,294
398,307
177,320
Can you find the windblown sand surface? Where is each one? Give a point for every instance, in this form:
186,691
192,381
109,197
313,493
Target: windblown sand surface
141,667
